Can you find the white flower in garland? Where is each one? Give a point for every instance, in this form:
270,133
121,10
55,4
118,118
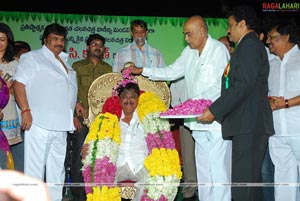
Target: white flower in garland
112,152
152,123
160,185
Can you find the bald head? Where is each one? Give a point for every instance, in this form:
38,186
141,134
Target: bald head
195,31
197,22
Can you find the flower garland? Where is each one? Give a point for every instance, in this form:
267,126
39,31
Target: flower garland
162,162
99,166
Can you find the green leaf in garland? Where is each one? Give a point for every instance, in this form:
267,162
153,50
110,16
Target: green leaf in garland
100,124
94,152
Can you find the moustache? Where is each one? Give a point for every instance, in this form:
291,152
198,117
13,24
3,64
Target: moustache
60,46
128,103
98,51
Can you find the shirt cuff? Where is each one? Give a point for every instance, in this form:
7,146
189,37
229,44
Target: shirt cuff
146,72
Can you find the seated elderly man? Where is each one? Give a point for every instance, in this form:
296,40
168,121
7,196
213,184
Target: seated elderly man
129,141
133,148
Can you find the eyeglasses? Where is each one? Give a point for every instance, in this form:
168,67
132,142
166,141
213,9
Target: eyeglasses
96,44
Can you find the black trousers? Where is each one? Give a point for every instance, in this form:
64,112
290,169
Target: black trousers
248,153
73,163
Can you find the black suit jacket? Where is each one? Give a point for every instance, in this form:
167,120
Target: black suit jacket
243,108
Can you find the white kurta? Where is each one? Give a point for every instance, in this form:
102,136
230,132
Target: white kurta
284,145
202,76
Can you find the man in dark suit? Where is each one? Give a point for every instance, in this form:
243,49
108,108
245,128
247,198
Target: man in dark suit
243,107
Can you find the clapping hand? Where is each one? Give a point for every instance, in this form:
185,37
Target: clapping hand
276,103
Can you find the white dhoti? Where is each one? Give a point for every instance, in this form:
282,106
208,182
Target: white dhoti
125,173
213,163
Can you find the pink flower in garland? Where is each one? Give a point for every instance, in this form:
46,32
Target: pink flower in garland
87,179
162,139
189,107
104,172
150,143
168,140
145,198
127,78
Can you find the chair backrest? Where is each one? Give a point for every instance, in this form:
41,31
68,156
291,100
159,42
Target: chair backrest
101,89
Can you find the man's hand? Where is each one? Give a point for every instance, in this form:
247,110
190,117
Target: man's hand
84,151
77,124
277,103
206,117
135,71
26,120
80,110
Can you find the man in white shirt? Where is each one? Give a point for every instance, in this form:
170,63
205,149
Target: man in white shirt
284,89
46,92
133,148
202,64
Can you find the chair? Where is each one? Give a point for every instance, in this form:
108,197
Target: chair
101,90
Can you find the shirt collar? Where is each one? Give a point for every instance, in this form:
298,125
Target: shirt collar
135,117
291,53
64,56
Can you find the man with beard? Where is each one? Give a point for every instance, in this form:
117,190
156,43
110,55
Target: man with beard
139,51
87,70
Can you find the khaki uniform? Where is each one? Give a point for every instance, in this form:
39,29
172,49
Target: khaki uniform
87,72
